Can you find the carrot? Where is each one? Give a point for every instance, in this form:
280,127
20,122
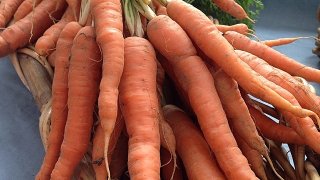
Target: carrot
119,160
7,9
254,157
107,17
272,56
204,33
25,8
31,27
168,165
46,44
237,111
273,130
140,108
191,146
59,99
233,8
280,41
84,77
305,97
240,28
195,79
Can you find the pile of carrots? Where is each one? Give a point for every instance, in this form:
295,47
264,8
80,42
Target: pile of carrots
119,67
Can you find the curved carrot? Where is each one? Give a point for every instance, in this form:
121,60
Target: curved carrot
204,33
272,56
7,9
84,76
192,147
273,130
31,27
232,7
25,8
195,79
46,44
254,157
240,28
107,18
59,99
305,97
140,108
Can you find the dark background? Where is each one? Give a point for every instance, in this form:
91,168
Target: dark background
21,150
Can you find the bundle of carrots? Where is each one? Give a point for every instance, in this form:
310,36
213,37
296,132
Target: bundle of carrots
118,66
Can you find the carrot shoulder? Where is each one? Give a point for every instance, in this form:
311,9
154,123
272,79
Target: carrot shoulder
84,78
195,79
140,108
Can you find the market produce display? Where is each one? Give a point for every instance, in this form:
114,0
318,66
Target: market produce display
150,89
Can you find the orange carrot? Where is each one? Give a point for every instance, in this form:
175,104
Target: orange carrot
107,17
237,111
31,27
52,58
59,99
192,147
240,28
140,108
25,8
279,42
273,130
7,9
118,163
233,8
254,157
305,97
196,80
46,44
84,78
204,33
272,56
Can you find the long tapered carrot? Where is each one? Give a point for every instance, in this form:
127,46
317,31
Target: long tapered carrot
272,56
253,156
84,78
7,10
305,97
232,7
31,27
140,108
280,41
240,28
204,33
197,158
107,17
25,8
59,99
237,111
195,79
273,130
46,44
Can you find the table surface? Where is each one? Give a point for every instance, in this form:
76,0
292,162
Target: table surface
21,150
